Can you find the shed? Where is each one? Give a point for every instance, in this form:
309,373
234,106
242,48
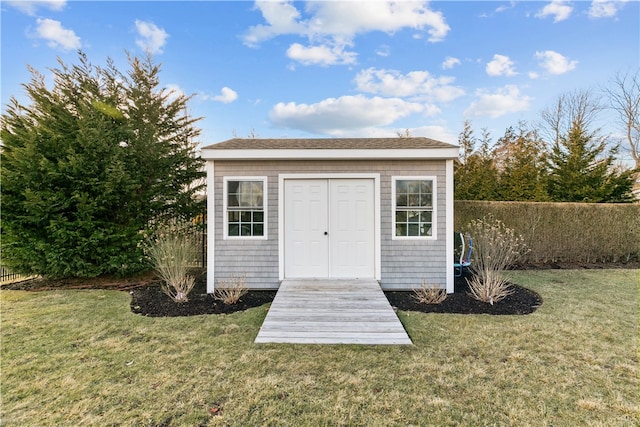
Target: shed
343,208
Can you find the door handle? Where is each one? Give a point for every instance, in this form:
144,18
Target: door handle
326,233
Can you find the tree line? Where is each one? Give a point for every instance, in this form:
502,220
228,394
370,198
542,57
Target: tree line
564,159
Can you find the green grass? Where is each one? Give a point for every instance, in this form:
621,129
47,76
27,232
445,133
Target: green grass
82,358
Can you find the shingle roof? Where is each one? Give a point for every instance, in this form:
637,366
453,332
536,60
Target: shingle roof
329,144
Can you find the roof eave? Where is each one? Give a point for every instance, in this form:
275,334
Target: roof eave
332,154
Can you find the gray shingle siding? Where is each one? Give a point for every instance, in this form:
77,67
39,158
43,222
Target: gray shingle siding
404,263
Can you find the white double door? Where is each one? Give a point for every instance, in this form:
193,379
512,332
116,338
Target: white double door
329,228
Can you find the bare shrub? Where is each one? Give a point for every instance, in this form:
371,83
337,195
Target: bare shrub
429,294
230,290
489,288
171,249
495,247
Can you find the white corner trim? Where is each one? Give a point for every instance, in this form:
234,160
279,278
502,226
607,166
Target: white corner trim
449,225
211,230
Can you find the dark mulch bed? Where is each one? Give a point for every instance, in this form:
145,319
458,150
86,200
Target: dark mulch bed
147,298
521,301
151,301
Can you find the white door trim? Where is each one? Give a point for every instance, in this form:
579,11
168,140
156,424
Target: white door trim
376,203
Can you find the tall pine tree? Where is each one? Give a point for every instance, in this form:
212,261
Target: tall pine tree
581,169
89,164
476,177
520,159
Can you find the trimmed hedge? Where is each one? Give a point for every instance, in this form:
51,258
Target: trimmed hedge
564,232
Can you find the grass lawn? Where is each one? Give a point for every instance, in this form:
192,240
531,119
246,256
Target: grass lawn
82,358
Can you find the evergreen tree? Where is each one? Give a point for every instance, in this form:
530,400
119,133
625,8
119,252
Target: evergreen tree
467,141
486,181
88,165
475,175
581,170
520,159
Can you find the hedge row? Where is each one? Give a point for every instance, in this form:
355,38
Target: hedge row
565,232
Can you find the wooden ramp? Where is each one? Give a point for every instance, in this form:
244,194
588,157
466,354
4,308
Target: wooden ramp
331,312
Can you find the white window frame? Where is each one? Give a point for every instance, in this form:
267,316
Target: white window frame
225,201
434,214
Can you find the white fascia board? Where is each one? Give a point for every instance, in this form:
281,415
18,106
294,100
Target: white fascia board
360,154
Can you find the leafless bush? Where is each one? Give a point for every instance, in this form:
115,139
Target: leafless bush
230,290
429,294
490,288
171,249
495,247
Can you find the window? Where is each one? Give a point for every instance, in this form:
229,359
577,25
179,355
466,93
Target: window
414,211
245,207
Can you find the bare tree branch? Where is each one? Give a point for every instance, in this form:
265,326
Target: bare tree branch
624,99
572,109
404,134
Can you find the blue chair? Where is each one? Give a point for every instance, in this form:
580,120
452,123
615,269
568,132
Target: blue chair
465,255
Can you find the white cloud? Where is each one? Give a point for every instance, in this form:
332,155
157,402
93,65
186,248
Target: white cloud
281,18
415,84
330,26
368,132
320,55
349,18
31,7
450,62
554,63
384,50
227,96
335,116
175,91
501,65
500,9
152,38
439,133
559,9
56,35
605,8
504,8
431,110
505,100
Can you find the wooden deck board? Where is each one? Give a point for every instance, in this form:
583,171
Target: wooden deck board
331,312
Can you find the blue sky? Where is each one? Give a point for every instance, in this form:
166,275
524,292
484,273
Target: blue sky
340,68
